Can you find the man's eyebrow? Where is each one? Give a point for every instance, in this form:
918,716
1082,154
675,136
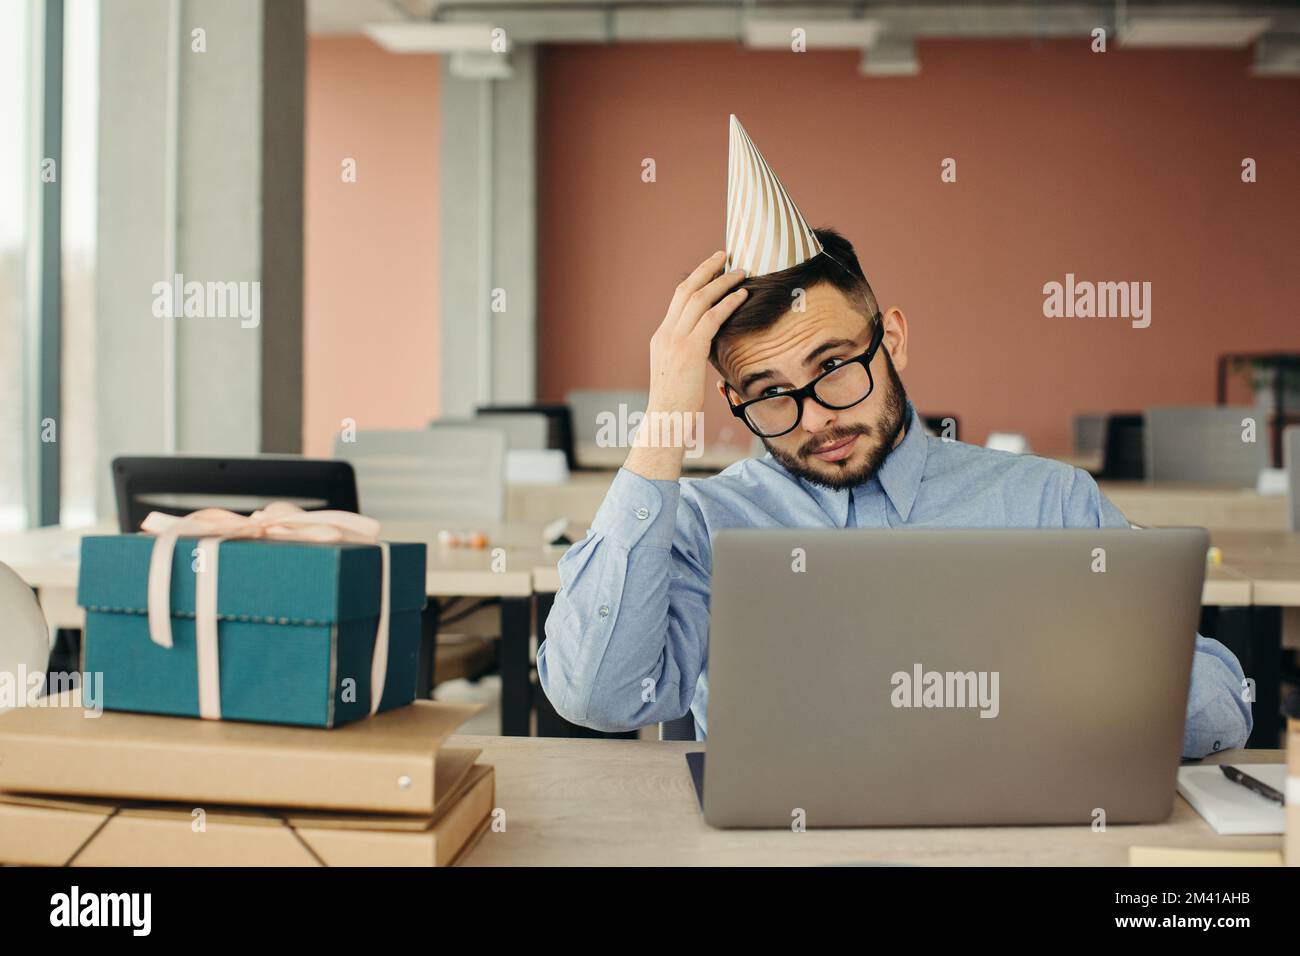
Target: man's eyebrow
828,346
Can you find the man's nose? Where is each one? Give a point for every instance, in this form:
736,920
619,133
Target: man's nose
816,418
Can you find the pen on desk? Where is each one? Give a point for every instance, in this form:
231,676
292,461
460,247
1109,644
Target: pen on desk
1250,783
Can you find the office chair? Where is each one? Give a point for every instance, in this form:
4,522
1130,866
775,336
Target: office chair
178,484
1291,455
936,423
559,422
449,473
524,431
529,460
1204,444
1089,433
25,637
683,728
591,407
1122,456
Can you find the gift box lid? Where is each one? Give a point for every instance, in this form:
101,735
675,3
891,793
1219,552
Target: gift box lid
282,582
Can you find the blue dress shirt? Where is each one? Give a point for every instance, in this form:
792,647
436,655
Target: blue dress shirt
634,596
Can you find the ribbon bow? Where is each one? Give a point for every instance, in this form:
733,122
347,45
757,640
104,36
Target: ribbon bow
280,521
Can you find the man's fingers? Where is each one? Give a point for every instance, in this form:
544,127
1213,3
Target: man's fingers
712,320
705,271
705,298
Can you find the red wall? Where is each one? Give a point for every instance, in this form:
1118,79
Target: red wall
371,283
1116,166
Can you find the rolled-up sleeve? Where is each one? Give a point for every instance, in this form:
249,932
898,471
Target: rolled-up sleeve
1218,707
626,639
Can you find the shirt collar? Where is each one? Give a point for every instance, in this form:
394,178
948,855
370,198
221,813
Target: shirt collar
904,467
899,476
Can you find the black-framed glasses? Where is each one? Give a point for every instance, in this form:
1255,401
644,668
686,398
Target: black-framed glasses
838,388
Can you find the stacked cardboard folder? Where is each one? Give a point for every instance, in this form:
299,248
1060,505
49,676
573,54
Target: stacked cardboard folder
126,789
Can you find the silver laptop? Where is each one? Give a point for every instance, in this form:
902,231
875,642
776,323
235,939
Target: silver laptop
948,677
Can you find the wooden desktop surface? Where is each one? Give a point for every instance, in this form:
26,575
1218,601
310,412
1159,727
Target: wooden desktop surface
631,803
48,559
1169,504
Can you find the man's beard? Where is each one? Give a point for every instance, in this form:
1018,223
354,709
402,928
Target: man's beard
887,428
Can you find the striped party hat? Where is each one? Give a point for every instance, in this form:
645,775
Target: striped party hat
765,230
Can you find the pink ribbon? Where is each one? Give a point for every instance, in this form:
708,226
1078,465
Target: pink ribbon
279,521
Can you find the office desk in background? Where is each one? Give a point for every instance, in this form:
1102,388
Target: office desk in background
1204,506
631,803
712,457
1154,505
48,559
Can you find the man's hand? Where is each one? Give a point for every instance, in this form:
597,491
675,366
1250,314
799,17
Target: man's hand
679,355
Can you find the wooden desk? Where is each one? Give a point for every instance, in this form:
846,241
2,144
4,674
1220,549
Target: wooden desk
631,803
1271,559
1224,586
713,457
577,499
1206,506
48,559
1218,509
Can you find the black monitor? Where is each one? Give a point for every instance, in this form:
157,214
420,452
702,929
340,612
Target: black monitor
180,484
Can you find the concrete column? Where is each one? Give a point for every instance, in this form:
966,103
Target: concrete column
201,146
489,237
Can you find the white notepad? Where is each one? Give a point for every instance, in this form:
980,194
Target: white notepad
1229,807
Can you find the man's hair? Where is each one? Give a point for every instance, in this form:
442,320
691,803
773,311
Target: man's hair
773,295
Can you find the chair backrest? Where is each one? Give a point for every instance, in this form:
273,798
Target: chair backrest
1291,455
1203,443
1089,433
683,728
441,473
1122,457
559,425
25,636
939,423
593,408
523,432
178,484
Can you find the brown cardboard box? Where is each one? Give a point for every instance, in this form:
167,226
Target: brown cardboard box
1291,841
383,764
44,831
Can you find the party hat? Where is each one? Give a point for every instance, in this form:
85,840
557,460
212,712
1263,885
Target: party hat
765,230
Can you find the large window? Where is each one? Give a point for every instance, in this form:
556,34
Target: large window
29,372
80,149
16,186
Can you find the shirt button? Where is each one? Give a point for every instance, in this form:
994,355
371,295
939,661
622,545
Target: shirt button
642,513
604,612
1217,745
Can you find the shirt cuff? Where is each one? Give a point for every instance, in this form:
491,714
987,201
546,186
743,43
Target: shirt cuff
638,510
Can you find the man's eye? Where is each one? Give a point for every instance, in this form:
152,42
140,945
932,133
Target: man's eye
772,390
831,363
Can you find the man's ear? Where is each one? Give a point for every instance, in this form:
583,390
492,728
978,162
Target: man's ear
895,339
722,390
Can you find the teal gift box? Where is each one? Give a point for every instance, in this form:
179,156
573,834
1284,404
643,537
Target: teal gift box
296,628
